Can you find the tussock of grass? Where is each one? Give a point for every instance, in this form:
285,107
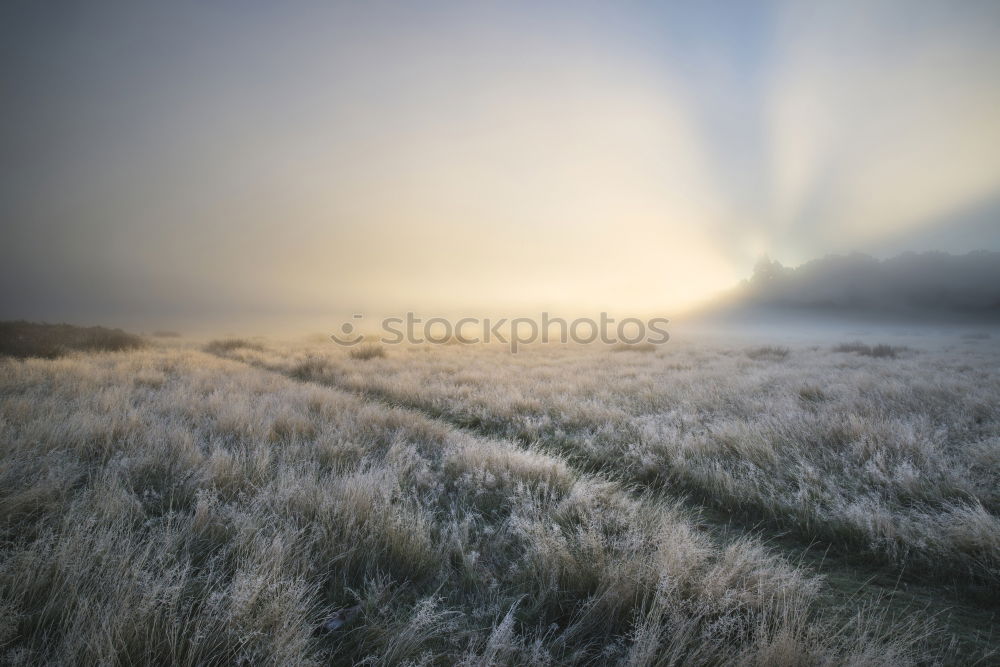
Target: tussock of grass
880,351
812,394
223,345
48,341
768,353
367,351
633,347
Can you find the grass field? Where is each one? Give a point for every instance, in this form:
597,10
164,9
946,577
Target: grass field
709,503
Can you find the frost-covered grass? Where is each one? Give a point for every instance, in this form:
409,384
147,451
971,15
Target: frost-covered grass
166,506
894,457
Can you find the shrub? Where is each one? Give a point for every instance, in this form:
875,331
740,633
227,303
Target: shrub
48,341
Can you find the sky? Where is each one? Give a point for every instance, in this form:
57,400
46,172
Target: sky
180,164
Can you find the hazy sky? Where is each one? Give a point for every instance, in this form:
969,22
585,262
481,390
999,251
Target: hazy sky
169,162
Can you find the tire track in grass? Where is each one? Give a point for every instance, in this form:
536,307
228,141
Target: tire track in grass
851,582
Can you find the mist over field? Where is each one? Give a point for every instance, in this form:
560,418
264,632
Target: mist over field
485,334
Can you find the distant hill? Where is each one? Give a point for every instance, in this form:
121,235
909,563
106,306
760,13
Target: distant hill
912,287
48,341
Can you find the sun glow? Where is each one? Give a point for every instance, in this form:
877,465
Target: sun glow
343,158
